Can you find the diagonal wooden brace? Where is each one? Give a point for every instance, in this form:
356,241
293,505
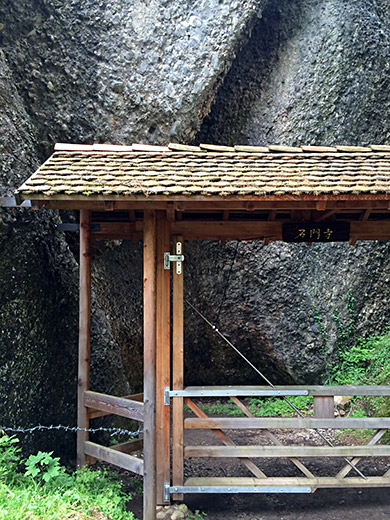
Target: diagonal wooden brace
225,439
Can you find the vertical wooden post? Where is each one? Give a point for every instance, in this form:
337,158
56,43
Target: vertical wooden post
177,375
84,332
163,361
324,406
149,364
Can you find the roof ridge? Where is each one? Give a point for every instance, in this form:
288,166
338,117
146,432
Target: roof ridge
212,148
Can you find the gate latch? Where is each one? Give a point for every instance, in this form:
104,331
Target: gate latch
178,258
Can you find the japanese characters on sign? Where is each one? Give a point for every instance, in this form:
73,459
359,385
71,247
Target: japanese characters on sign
316,231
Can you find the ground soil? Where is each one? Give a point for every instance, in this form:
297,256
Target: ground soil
324,504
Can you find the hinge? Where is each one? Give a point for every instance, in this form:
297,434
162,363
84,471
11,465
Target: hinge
178,258
167,491
167,401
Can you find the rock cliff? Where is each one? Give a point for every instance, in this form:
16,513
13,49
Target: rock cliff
299,71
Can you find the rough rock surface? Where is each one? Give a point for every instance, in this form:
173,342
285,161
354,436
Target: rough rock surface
86,72
314,72
98,71
39,302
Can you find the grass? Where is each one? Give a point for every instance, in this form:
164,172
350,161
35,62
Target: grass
39,488
260,407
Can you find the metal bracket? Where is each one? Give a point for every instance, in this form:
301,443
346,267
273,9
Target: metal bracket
167,401
178,258
232,489
167,492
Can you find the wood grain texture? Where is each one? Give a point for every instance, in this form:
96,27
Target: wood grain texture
286,451
84,333
318,482
226,440
177,373
114,405
163,357
122,460
293,423
149,365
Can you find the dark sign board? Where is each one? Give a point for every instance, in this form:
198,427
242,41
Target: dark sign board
316,231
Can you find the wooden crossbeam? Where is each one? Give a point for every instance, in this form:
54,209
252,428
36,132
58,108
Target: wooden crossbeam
270,436
122,460
232,230
238,423
129,446
226,440
283,482
286,451
114,405
320,390
93,414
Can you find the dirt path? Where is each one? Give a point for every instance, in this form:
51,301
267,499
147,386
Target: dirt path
324,504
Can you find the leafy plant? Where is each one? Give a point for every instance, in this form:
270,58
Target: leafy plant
43,466
39,488
9,458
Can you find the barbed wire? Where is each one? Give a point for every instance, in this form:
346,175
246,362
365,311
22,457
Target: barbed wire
41,427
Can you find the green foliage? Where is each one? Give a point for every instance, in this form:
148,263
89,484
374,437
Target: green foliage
198,515
45,491
278,407
358,360
9,458
43,466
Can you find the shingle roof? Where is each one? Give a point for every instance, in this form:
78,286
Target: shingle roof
79,171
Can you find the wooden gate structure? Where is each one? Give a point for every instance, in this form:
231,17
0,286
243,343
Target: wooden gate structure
166,195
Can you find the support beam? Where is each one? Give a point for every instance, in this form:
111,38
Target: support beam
114,405
122,460
163,348
177,375
84,333
149,364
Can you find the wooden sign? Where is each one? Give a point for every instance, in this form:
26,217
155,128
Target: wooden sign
316,231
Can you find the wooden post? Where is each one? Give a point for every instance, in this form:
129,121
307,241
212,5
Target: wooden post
177,375
149,364
84,332
163,372
324,406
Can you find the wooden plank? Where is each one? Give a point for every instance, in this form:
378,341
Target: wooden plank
238,423
149,259
232,230
122,460
216,203
84,333
350,390
319,482
177,374
163,358
271,437
115,405
324,407
347,468
93,414
226,440
286,451
129,446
